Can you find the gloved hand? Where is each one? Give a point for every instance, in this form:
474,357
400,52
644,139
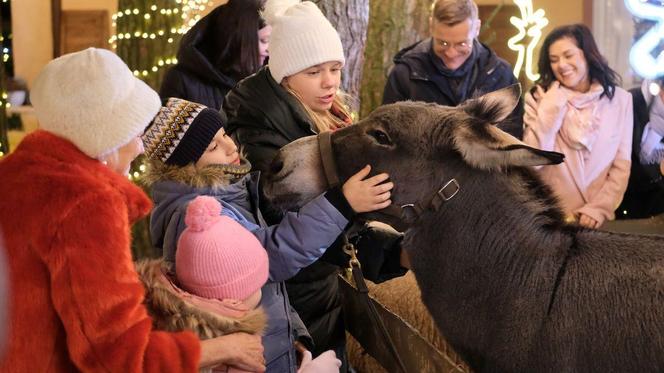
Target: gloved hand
326,362
379,252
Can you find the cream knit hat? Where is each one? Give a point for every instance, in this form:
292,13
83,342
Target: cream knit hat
92,99
301,37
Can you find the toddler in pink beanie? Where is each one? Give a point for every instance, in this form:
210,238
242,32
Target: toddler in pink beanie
218,258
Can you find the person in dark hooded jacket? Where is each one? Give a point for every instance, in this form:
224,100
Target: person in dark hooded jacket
222,48
644,196
451,66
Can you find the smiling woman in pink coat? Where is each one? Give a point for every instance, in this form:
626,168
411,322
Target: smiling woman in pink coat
577,109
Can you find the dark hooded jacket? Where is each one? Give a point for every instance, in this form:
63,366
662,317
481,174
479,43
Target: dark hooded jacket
263,117
194,77
419,75
644,196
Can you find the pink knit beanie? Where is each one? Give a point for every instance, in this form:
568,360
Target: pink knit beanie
216,256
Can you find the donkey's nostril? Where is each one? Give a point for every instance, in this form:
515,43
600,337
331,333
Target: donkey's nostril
276,166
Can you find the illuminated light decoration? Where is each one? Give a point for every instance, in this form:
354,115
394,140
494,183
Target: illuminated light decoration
640,57
654,89
530,25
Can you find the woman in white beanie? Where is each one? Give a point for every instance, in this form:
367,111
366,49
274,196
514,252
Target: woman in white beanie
66,212
298,95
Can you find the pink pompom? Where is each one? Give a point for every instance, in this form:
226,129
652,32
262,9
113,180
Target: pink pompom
202,212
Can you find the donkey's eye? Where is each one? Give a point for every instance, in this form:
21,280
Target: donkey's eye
380,137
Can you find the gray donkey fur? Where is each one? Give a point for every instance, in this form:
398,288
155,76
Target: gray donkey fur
509,284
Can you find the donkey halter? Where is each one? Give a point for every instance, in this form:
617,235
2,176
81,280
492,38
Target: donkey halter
433,201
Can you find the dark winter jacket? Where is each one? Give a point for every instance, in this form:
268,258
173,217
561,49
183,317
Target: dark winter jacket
645,190
263,117
195,78
416,77
297,241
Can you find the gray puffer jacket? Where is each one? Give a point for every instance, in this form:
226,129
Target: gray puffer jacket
297,241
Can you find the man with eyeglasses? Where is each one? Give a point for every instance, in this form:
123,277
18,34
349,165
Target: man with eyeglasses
452,65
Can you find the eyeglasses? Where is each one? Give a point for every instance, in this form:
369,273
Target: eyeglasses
463,47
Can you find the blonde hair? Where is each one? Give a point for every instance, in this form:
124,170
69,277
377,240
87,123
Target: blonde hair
326,121
452,12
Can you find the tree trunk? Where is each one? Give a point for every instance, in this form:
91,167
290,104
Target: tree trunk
350,18
393,25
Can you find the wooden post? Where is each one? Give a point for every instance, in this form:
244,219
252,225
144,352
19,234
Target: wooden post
588,13
351,19
56,14
393,25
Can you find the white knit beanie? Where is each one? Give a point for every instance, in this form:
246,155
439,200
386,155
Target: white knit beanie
301,37
92,99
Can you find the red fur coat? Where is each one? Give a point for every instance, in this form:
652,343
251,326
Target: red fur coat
76,300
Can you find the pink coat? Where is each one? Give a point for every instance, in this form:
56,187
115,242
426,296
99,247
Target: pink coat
588,182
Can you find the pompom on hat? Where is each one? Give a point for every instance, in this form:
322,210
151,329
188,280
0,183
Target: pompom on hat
216,256
301,37
92,99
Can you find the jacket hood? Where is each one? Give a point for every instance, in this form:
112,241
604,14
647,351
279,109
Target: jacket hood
212,176
173,309
417,57
194,55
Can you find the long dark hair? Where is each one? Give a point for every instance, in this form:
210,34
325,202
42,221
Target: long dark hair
233,38
598,67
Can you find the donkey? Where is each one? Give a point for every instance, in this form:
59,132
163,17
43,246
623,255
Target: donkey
508,282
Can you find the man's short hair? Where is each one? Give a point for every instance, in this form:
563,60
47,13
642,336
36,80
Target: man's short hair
451,12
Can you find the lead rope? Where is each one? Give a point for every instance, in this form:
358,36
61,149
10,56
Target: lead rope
354,270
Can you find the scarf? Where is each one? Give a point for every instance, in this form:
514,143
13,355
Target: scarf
463,78
581,122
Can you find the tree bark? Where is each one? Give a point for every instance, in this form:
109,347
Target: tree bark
393,25
351,19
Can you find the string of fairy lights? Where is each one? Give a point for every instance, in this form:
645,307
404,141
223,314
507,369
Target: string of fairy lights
147,33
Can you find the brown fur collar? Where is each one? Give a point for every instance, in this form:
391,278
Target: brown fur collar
212,176
172,312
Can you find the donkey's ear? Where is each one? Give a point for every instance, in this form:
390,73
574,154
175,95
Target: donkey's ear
494,107
487,147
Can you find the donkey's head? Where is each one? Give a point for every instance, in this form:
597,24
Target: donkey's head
418,144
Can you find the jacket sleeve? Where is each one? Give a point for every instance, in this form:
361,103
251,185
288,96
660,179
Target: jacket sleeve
394,91
378,250
301,238
542,123
175,227
604,203
173,85
98,297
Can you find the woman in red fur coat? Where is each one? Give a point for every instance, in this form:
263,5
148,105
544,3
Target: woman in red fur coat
65,213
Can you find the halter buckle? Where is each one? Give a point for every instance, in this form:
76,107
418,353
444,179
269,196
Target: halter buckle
441,191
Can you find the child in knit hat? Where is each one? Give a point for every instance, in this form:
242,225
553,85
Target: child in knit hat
190,155
218,258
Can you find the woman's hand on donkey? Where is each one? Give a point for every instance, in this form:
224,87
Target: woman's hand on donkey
370,194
